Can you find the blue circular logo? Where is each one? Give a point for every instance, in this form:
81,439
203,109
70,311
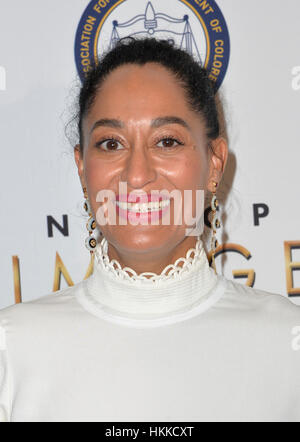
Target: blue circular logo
197,26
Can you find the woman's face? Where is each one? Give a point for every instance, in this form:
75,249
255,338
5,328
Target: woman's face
141,131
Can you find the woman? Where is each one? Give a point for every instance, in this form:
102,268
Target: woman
154,334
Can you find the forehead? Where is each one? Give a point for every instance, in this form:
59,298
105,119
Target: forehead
141,92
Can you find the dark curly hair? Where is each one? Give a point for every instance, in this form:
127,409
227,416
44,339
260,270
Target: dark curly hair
200,90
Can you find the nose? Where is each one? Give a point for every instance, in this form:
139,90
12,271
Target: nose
139,169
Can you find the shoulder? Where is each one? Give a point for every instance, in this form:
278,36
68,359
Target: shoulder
53,303
261,302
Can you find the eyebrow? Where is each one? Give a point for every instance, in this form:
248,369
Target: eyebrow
162,121
108,122
157,122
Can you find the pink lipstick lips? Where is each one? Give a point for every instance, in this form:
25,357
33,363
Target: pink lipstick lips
142,208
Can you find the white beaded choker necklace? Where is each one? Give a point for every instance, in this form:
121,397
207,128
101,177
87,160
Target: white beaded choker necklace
170,272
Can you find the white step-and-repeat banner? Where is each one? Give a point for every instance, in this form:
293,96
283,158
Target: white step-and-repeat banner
252,50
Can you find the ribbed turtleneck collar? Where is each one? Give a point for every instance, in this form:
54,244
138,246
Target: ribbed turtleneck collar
122,296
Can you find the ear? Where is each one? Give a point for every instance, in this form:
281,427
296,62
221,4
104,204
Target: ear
218,161
79,163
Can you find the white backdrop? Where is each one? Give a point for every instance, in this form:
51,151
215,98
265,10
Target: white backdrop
38,176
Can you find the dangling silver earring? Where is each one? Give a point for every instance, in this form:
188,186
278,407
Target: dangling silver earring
91,241
215,224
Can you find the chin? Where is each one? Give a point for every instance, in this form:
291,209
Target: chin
141,237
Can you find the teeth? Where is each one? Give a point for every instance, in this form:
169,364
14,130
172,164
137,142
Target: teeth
143,207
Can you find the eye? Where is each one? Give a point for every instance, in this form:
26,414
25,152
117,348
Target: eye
109,144
169,143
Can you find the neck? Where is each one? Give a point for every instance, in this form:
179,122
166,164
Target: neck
151,261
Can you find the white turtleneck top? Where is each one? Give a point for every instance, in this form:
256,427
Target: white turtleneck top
183,346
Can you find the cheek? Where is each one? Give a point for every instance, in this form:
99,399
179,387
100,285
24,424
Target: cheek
98,177
98,174
93,175
190,172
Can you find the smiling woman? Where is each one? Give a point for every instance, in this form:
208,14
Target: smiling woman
148,117
154,334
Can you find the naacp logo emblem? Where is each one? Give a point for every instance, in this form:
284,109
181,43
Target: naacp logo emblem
197,26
